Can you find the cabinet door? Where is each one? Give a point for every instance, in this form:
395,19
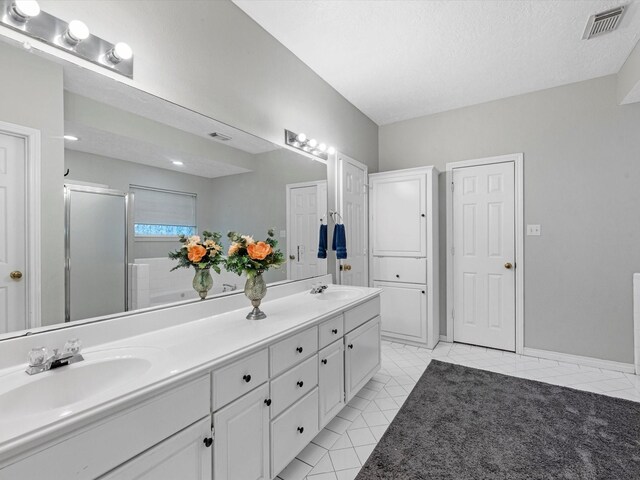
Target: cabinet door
331,381
241,446
403,308
362,356
398,210
184,456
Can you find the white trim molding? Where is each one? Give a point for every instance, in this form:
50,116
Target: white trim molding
518,161
33,226
580,360
636,322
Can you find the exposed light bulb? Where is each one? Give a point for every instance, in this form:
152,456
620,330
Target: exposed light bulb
120,52
76,32
331,150
177,162
301,137
313,143
23,10
71,138
322,147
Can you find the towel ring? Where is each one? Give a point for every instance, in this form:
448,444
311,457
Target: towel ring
334,215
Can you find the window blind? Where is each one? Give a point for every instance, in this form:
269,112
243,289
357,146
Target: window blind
163,207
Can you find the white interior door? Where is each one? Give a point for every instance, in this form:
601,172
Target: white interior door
353,204
13,295
484,255
307,206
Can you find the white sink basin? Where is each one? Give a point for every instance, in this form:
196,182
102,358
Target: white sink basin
338,294
24,395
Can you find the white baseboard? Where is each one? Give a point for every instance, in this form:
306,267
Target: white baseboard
444,338
587,361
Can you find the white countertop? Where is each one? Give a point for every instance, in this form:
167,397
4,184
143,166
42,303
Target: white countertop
177,354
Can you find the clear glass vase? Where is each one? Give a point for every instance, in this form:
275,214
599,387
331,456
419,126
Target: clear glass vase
202,282
255,289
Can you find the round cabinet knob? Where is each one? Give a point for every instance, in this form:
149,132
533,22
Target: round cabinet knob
397,276
422,215
300,383
334,331
324,361
300,429
350,346
508,266
299,349
16,275
247,378
267,402
208,442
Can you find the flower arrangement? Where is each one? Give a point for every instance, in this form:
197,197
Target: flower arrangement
245,255
200,253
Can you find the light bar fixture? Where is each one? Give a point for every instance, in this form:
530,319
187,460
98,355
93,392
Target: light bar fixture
308,145
25,16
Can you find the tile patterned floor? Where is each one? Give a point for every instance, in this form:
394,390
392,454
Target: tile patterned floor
342,447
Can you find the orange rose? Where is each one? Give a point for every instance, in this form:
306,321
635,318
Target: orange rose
258,250
196,252
233,248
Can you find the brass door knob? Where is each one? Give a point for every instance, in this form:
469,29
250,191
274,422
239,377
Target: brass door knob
16,275
508,266
292,257
347,267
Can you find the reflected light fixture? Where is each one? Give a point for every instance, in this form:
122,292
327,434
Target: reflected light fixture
310,146
177,162
22,10
121,51
76,32
71,138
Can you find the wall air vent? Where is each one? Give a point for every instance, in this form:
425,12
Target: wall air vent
603,22
220,136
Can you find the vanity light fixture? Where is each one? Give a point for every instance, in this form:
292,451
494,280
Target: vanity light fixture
76,32
308,145
71,138
25,17
177,162
22,10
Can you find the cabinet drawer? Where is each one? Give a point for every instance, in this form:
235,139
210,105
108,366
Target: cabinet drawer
94,451
397,269
293,385
357,316
331,330
240,377
292,350
293,430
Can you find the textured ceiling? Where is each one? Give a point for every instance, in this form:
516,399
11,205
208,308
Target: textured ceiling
396,60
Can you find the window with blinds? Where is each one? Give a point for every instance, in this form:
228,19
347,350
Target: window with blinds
163,213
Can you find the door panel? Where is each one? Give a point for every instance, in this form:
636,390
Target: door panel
484,244
362,356
331,381
13,300
403,309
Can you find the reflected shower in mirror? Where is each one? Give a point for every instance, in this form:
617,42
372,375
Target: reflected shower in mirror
125,173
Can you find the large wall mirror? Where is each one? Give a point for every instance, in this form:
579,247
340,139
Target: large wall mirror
122,174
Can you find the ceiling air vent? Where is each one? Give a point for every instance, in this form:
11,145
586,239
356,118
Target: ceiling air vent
603,22
220,136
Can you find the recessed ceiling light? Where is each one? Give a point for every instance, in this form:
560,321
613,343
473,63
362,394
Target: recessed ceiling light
177,162
71,138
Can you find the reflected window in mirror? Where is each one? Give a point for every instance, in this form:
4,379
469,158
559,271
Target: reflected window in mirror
163,213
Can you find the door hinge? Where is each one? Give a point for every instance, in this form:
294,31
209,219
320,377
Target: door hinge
453,314
452,186
453,250
213,433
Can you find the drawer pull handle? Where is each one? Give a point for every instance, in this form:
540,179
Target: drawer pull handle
300,383
350,346
423,292
267,402
247,378
300,429
324,361
334,331
397,276
208,442
299,349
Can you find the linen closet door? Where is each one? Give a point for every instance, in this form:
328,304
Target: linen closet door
484,255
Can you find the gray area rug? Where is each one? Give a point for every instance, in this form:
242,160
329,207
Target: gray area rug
461,423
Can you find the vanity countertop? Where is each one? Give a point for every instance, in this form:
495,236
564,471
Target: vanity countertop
154,362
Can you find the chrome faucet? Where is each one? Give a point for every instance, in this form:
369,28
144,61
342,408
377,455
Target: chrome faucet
40,361
227,287
319,289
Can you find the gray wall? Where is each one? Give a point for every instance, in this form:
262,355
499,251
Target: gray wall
211,57
31,96
582,184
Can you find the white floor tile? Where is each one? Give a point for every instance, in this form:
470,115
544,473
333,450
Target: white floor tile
344,459
312,454
361,436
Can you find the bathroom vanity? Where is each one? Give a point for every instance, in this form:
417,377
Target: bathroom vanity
211,397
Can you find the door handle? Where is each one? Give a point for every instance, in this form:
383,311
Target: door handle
292,257
508,266
298,253
16,275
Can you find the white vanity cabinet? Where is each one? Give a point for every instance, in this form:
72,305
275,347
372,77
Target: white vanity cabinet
404,245
331,381
362,356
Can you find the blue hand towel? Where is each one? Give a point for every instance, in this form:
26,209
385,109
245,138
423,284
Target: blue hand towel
339,244
322,244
